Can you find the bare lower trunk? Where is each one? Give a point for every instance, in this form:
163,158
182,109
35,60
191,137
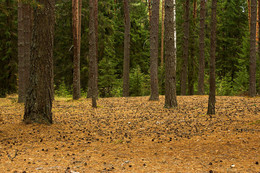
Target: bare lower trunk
92,54
76,59
154,31
170,55
162,35
24,45
201,89
252,61
212,80
38,105
184,70
126,50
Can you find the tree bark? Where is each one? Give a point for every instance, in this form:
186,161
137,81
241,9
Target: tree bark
252,61
24,45
154,31
212,80
96,34
76,52
185,48
149,10
38,105
162,35
191,62
126,50
92,54
259,42
249,12
170,55
201,89
21,64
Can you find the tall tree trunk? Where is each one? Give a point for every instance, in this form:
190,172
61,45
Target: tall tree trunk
38,105
24,45
249,12
154,31
252,62
92,54
191,63
201,89
149,10
259,41
170,55
76,52
185,47
126,50
212,80
96,34
21,64
162,36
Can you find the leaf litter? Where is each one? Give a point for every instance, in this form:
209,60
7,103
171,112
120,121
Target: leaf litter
133,135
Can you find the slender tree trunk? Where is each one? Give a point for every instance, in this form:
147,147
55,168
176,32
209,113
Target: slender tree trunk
24,45
76,59
191,63
170,55
126,50
201,89
96,34
259,41
252,62
38,105
149,10
92,54
185,48
212,80
154,31
162,36
21,64
249,12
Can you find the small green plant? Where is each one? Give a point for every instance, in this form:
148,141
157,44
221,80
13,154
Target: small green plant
62,91
139,83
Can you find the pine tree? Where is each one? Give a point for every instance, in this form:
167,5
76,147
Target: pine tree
76,48
252,61
126,49
38,105
186,26
92,55
170,55
201,89
212,79
154,31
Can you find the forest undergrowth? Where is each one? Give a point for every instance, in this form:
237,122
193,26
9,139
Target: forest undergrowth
133,135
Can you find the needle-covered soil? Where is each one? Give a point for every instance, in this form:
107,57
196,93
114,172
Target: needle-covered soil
133,135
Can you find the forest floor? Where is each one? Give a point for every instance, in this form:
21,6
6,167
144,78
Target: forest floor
133,135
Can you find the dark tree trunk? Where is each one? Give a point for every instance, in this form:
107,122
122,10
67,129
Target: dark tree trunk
154,31
92,54
162,34
126,50
170,55
24,45
212,80
259,42
38,105
201,89
252,62
76,48
149,10
186,26
191,63
96,34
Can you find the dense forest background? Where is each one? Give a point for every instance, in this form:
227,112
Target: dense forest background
232,54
